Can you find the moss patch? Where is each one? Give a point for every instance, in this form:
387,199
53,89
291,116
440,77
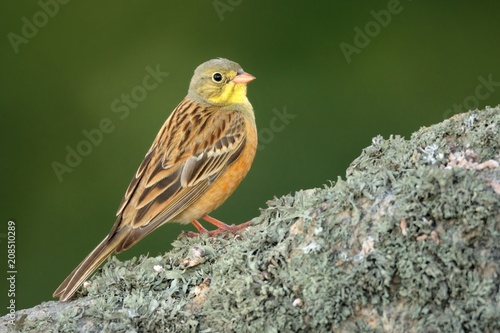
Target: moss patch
409,241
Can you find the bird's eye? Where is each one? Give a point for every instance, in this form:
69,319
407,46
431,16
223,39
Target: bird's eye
217,77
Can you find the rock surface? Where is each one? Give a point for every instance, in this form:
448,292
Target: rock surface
408,242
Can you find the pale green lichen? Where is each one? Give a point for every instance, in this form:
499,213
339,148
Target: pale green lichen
408,242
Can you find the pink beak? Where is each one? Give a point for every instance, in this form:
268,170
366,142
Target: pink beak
243,78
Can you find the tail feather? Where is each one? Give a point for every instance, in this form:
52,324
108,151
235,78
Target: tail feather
87,266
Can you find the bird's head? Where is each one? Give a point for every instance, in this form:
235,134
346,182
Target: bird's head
219,82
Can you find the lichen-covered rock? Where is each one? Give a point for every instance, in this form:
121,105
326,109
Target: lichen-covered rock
408,242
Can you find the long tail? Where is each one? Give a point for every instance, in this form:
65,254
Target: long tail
87,266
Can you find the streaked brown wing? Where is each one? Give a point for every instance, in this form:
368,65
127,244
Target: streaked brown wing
193,148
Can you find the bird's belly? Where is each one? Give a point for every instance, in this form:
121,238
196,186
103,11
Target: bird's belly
224,186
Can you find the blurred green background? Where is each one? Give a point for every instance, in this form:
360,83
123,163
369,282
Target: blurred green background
343,75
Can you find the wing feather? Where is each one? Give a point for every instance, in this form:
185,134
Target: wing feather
193,148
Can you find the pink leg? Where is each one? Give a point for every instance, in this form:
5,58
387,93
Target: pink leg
221,227
201,229
198,226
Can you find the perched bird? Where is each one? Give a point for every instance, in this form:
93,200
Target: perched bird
200,155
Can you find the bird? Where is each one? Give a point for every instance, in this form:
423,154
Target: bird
200,155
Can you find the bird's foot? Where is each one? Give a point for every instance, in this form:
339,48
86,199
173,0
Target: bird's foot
221,228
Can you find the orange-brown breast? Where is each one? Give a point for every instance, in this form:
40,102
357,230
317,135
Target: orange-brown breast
227,183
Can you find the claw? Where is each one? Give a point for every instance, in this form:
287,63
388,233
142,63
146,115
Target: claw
221,228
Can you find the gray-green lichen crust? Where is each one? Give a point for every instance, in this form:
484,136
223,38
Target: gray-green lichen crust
408,242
